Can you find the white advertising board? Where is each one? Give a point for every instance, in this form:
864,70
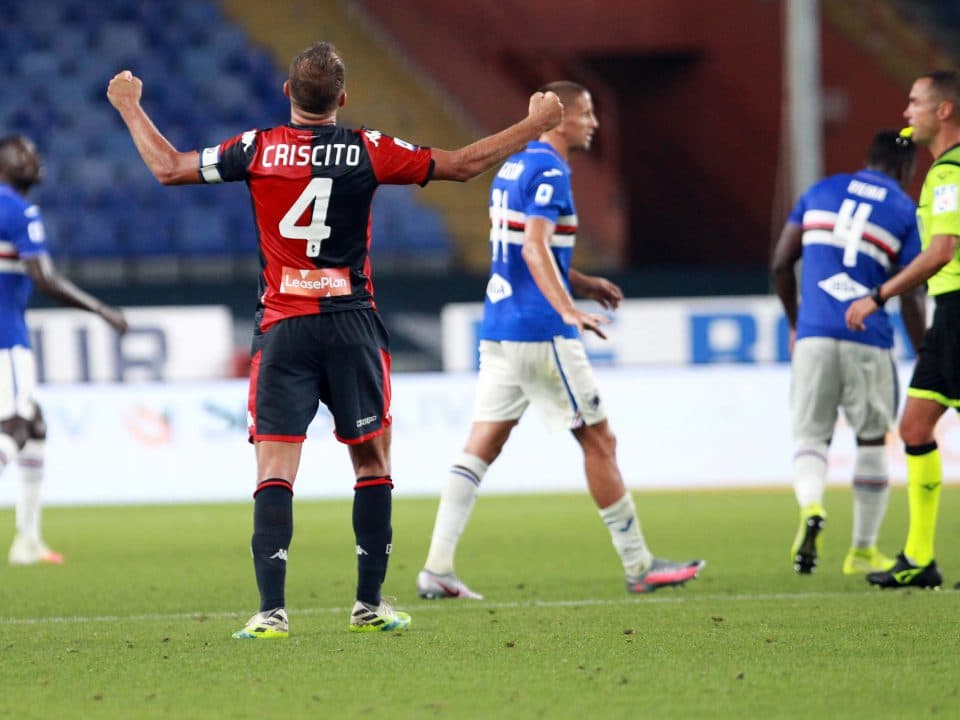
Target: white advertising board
680,331
163,343
682,427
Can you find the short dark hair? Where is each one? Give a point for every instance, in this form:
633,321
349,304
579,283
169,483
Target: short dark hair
566,90
891,153
946,83
20,162
317,78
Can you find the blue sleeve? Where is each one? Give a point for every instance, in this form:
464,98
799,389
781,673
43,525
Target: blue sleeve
548,193
27,231
796,215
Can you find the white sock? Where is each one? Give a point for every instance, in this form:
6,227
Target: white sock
621,520
456,504
809,474
871,491
31,480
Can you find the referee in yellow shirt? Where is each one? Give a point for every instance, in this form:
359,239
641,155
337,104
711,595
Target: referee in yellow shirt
933,116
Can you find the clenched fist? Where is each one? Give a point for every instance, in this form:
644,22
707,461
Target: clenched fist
546,109
124,90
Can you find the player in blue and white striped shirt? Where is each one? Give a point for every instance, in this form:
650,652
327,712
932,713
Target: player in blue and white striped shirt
852,231
531,353
24,262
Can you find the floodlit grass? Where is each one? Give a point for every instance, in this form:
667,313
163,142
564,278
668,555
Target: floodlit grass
137,623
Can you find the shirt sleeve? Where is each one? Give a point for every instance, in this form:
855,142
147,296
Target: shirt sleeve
796,215
945,201
548,193
230,160
397,162
28,233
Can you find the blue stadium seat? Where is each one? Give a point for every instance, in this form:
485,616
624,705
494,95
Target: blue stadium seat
147,230
201,230
95,235
204,81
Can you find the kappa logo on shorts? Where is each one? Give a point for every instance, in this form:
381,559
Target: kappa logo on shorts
318,282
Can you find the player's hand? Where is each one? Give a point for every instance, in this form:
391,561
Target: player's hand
124,90
115,319
601,290
859,311
546,109
586,321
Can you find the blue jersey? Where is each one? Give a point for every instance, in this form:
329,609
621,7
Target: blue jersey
21,236
857,230
532,183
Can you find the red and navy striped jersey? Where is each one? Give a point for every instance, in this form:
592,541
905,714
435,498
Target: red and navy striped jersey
311,188
535,182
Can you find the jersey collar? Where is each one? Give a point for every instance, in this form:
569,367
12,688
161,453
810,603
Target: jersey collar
538,145
880,175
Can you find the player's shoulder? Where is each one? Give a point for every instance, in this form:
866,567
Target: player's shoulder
10,197
946,169
543,164
14,204
837,182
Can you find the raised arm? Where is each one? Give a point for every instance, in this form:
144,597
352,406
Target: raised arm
50,282
545,113
168,165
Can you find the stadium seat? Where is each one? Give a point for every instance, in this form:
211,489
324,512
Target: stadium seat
204,82
201,230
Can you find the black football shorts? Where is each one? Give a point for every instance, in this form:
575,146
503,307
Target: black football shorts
936,376
341,359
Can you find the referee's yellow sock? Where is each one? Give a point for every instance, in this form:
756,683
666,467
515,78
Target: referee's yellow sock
924,479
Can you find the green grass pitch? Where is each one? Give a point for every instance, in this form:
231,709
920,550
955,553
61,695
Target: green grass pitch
137,623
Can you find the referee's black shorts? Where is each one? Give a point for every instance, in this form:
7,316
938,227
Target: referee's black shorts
936,375
339,358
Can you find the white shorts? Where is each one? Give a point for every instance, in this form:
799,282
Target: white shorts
18,383
554,376
829,374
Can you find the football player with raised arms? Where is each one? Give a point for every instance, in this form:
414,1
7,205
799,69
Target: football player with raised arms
531,353
318,335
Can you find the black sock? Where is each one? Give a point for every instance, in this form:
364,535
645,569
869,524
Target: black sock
272,531
371,526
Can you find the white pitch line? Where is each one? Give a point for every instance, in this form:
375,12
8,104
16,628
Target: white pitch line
455,605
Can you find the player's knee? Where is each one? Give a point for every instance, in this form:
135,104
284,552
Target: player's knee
16,428
37,428
370,457
599,440
915,432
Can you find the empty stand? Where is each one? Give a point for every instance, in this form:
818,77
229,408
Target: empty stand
204,81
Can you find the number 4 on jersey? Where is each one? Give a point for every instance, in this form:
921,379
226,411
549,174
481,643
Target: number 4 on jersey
851,222
317,192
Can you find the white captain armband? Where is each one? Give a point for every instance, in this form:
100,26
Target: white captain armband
209,159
